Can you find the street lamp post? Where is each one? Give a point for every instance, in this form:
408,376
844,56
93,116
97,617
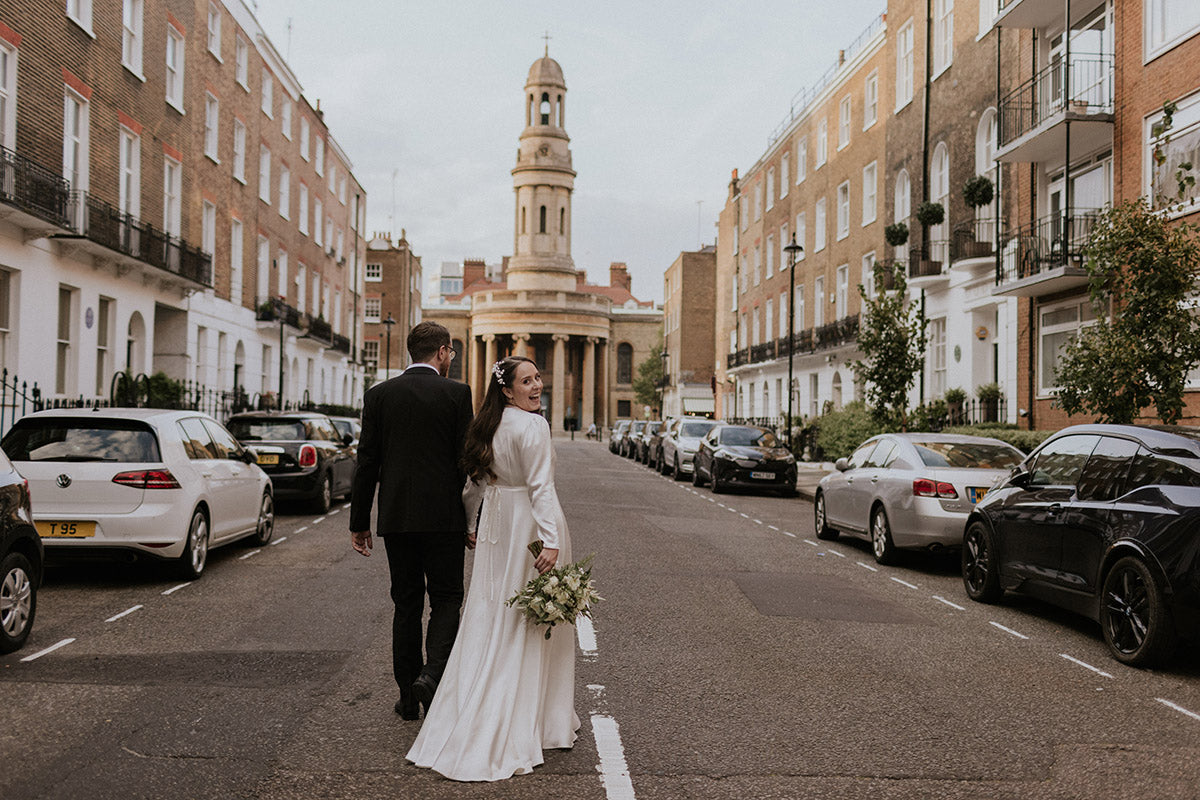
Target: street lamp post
662,385
282,314
387,364
792,250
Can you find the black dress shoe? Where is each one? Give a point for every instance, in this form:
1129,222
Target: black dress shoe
423,688
406,707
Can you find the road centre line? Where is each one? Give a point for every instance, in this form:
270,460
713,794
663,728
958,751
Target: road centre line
1008,630
175,589
280,540
837,553
300,530
941,599
614,771
772,527
585,633
759,521
903,583
709,499
1085,665
747,516
334,511
722,505
810,541
318,520
789,533
1178,708
124,613
49,649
866,566
251,553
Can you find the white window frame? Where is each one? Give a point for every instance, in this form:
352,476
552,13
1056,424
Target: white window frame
318,214
822,143
1084,317
264,174
268,94
783,317
784,173
285,117
77,144
302,287
304,136
212,127
988,10
241,55
841,297
172,196
80,12
843,210
943,36
372,309
801,160
820,223
801,234
262,266
798,315
769,319
319,155
845,114
904,65
1184,145
214,30
239,150
744,203
757,264
285,191
937,357
302,212
870,193
8,95
819,301
132,45
281,262
374,272
129,164
770,255
177,47
1157,18
758,201
208,228
770,188
237,267
871,100
868,274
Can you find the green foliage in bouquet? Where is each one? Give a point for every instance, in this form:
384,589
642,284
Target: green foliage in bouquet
558,595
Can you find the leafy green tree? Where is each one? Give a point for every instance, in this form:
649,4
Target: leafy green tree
648,383
1142,276
892,337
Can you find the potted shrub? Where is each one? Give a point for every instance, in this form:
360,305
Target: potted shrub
896,235
989,399
930,214
955,398
978,192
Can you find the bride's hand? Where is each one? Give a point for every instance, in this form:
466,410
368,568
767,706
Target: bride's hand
546,561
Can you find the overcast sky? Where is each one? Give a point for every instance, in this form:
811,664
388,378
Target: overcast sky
663,100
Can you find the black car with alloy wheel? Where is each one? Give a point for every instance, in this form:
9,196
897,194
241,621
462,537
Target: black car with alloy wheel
21,559
1103,520
303,452
744,456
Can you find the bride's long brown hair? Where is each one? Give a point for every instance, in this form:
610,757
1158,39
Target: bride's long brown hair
477,449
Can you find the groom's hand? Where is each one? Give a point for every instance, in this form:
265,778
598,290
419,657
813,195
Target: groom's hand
361,541
471,539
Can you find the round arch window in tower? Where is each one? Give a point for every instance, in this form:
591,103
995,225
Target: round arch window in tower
544,108
542,220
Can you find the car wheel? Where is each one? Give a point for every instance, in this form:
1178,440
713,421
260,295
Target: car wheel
1136,622
325,499
18,601
980,569
881,537
820,521
696,479
195,549
266,521
676,472
718,485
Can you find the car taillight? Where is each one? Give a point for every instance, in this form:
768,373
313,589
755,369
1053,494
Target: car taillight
147,479
308,455
924,487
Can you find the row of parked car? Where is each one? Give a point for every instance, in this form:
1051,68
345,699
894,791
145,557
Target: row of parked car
1102,520
710,452
132,483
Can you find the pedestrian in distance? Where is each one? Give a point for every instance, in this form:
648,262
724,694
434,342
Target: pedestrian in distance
413,429
508,691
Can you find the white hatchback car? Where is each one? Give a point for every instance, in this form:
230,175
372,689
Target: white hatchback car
130,482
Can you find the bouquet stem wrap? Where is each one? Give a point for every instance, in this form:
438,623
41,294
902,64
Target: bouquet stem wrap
559,595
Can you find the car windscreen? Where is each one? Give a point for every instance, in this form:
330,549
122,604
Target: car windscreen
978,455
748,437
696,429
344,426
63,439
269,430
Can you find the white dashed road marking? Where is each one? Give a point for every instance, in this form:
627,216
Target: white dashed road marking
941,599
124,613
614,772
1008,630
810,541
903,583
318,520
838,553
585,632
49,649
301,530
1085,665
280,540
251,553
866,566
1178,708
772,527
175,589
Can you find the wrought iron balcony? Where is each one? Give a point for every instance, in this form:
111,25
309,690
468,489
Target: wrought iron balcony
762,352
105,225
841,331
1045,256
928,262
1031,116
341,343
738,358
320,329
273,309
975,239
34,189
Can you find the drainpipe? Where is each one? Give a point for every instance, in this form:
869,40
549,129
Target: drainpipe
925,161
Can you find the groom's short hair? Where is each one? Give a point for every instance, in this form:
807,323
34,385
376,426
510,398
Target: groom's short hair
425,339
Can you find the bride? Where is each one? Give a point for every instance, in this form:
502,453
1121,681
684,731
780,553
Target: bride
507,692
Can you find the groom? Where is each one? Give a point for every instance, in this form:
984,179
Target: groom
412,438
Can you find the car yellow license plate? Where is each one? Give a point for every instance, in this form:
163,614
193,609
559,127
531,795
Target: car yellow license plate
762,476
268,458
975,493
66,530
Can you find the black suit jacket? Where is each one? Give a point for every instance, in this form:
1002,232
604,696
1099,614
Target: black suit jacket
410,447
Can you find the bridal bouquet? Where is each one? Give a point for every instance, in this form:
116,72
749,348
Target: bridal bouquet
558,595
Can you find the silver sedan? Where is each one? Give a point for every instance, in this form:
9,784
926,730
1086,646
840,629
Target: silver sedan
910,490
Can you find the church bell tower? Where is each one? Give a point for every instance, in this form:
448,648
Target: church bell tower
542,182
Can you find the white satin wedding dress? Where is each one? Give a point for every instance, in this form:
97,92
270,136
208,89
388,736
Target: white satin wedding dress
507,692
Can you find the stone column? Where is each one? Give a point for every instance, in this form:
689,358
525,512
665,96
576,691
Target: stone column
589,384
604,393
489,358
477,386
558,392
522,346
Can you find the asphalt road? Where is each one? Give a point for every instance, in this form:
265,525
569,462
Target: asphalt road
734,656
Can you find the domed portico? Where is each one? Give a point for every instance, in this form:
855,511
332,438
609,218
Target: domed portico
582,336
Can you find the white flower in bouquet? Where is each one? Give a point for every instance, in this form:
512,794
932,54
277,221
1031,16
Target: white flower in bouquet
559,595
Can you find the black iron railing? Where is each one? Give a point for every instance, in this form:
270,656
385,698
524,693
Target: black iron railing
342,343
1055,241
273,309
762,352
810,340
320,329
928,262
32,188
975,239
1042,96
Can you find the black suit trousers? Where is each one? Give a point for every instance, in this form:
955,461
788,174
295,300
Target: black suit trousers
421,563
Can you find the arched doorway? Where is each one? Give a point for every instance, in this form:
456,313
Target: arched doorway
135,344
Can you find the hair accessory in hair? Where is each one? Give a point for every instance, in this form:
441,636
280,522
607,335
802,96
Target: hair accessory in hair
498,372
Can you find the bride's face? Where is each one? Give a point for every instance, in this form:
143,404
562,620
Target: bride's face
525,391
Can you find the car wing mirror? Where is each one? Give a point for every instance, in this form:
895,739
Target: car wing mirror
841,465
347,439
1020,478
249,457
